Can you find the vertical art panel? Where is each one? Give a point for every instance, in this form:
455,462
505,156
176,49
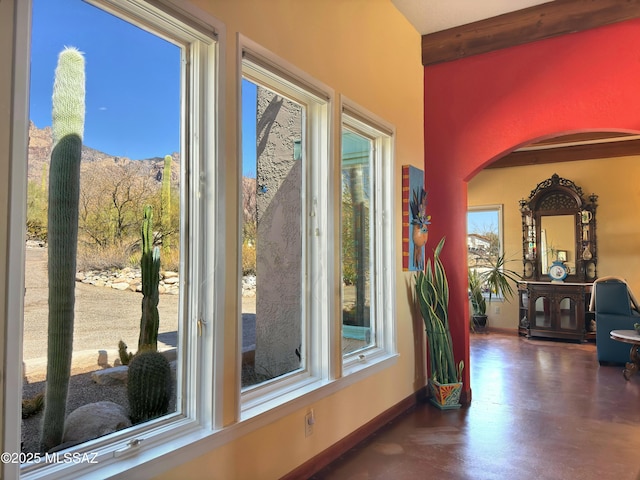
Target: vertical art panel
415,220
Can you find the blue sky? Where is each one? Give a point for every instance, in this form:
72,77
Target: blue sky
132,81
482,221
132,78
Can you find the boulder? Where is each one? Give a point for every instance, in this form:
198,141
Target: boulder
111,376
94,420
103,358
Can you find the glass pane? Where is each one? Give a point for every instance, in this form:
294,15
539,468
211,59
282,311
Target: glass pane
272,243
130,159
543,312
357,327
567,314
483,242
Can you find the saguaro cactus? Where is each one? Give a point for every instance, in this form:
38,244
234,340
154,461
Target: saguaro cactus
64,191
149,386
165,205
150,266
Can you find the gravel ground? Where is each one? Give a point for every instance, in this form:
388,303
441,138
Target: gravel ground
82,390
103,317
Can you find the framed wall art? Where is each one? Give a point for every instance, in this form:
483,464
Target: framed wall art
415,220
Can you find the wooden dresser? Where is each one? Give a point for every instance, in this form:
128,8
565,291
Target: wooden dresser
555,310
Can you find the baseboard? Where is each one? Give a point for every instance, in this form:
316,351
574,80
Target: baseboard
320,461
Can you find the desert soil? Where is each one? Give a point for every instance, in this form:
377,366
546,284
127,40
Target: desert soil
103,316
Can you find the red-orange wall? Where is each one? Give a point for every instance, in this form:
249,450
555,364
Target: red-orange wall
479,108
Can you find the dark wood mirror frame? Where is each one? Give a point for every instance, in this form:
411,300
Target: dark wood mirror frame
552,197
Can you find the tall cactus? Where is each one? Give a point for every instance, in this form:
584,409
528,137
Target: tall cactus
64,191
165,205
149,386
150,266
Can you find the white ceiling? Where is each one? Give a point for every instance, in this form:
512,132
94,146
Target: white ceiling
429,16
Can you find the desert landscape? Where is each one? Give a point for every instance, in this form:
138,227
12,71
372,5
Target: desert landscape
103,316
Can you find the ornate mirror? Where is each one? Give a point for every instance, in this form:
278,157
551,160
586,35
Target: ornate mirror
559,229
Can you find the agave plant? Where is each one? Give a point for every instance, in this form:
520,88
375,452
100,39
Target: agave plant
432,294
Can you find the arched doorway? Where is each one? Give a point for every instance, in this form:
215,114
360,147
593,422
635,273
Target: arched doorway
479,108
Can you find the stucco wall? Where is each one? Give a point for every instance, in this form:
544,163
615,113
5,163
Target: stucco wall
279,240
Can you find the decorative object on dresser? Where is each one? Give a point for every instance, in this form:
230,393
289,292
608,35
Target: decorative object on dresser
559,257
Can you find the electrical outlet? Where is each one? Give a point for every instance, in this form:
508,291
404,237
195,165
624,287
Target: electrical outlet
497,310
309,421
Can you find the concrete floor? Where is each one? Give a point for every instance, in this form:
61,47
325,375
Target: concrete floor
541,409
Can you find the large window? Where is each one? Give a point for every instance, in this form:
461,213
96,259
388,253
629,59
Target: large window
316,238
366,244
285,132
289,241
139,197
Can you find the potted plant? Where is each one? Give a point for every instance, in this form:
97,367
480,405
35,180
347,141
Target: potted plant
432,294
497,278
493,277
478,302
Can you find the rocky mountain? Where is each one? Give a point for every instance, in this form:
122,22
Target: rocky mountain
41,143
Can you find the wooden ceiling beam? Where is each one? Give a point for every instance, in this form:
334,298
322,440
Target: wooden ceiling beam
520,158
584,137
547,20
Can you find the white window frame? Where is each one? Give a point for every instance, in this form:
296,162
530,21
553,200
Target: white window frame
266,69
382,246
144,450
198,428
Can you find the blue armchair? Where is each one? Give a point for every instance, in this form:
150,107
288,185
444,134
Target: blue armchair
613,307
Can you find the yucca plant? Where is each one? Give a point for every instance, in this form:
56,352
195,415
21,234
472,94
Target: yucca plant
497,278
432,294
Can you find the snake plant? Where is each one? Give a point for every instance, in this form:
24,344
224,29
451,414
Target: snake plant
432,294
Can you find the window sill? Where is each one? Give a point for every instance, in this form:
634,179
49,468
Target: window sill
313,391
188,447
180,444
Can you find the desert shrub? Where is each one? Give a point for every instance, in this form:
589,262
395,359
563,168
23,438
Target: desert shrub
36,212
32,406
95,257
248,259
170,261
